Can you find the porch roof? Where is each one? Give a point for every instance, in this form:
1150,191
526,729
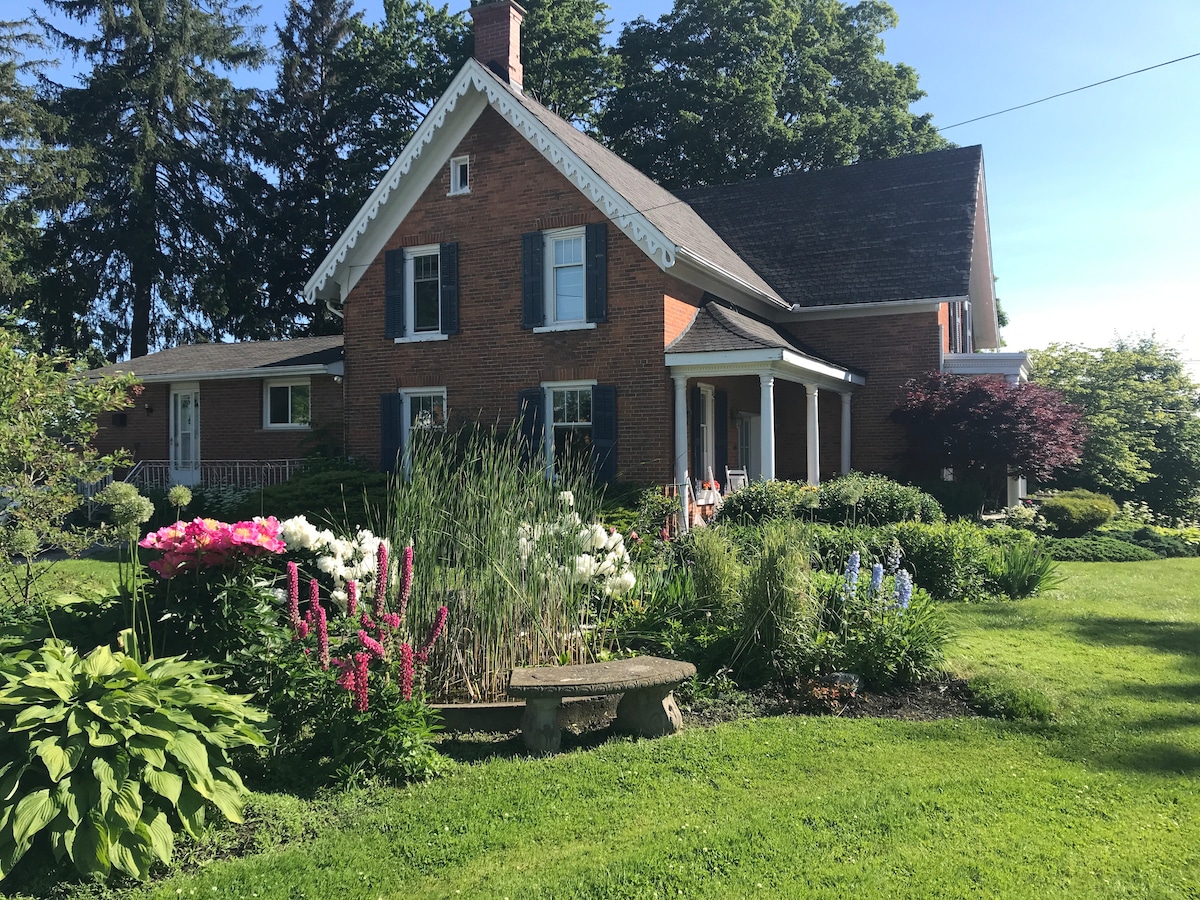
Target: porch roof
724,340
241,359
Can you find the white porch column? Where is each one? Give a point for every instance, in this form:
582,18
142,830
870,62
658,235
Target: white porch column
814,436
681,446
766,410
846,434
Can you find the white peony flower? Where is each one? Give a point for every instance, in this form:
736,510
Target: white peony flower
567,498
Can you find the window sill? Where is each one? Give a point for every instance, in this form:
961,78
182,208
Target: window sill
566,326
287,428
461,193
418,338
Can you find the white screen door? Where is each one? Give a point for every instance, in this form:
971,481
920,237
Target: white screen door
185,434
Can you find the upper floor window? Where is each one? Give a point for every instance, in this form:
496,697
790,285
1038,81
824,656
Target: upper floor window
287,404
421,292
460,175
564,277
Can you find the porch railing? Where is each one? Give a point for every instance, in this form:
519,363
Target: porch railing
225,473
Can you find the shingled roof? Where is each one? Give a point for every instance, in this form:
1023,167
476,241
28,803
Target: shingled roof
893,229
243,358
719,327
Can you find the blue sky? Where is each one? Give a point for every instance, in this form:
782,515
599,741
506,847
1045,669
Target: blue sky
1094,197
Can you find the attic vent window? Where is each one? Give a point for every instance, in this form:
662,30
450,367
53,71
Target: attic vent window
460,175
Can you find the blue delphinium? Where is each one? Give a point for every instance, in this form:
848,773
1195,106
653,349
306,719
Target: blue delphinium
876,579
852,566
904,589
893,557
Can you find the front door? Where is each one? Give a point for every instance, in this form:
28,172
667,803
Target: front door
185,434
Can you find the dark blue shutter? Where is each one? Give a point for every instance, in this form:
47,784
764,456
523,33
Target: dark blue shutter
533,280
531,417
448,272
393,294
720,435
596,248
604,432
391,414
697,436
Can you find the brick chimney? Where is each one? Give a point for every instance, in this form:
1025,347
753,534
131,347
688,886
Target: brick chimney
498,38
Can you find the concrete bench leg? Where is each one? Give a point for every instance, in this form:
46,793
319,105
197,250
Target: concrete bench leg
649,712
539,724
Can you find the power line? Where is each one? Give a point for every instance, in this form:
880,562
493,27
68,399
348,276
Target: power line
1072,91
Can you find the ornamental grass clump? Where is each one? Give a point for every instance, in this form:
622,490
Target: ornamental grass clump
504,548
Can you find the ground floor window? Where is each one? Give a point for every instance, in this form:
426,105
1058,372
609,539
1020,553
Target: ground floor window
288,404
570,416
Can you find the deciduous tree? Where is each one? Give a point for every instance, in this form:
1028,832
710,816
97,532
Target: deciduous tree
986,429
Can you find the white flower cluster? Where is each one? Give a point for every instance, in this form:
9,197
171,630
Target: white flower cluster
600,557
344,559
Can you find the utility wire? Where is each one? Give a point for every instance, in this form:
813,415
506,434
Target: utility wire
1072,91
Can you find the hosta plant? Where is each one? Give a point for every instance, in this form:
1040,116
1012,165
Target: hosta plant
106,757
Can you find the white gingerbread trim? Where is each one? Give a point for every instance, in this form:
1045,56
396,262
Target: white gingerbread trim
475,78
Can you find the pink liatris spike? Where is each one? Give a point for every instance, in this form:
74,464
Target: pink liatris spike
302,630
406,573
351,597
406,671
369,643
381,576
314,596
438,624
322,636
361,663
293,593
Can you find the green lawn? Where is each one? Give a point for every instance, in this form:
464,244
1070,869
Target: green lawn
1103,802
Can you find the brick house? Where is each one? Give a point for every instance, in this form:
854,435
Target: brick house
509,268
239,415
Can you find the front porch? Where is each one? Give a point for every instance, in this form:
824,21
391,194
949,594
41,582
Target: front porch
245,474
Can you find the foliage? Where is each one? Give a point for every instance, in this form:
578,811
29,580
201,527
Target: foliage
958,499
49,412
108,757
1007,698
763,500
141,259
567,66
719,91
1096,548
1074,513
874,500
1022,569
1140,405
986,429
350,497
1168,543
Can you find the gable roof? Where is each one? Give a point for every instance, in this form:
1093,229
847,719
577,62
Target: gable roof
244,359
665,228
892,229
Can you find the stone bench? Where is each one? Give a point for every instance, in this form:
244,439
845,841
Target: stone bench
647,708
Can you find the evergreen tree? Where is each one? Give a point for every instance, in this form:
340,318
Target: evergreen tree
723,90
143,258
304,133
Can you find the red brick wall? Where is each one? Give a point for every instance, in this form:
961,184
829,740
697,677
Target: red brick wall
679,308
890,349
514,191
944,324
231,423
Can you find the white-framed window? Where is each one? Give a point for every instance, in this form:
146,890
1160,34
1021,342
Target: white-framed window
566,279
423,293
707,415
424,412
460,175
287,403
568,422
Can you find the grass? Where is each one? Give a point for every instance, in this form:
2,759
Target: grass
1101,802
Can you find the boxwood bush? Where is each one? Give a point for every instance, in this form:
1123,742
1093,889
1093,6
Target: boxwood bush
1075,513
874,500
1162,544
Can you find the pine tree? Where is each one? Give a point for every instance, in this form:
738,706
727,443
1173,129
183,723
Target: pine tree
146,252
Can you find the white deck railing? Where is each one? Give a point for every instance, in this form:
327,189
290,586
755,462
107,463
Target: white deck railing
227,473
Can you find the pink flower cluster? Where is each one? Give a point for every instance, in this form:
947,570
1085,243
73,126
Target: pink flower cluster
202,543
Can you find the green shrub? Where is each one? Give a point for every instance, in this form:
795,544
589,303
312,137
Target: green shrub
1004,698
1075,513
108,758
948,559
874,500
1160,542
958,499
1021,569
760,501
655,511
1096,548
340,494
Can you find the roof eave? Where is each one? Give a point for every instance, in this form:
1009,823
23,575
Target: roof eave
266,371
